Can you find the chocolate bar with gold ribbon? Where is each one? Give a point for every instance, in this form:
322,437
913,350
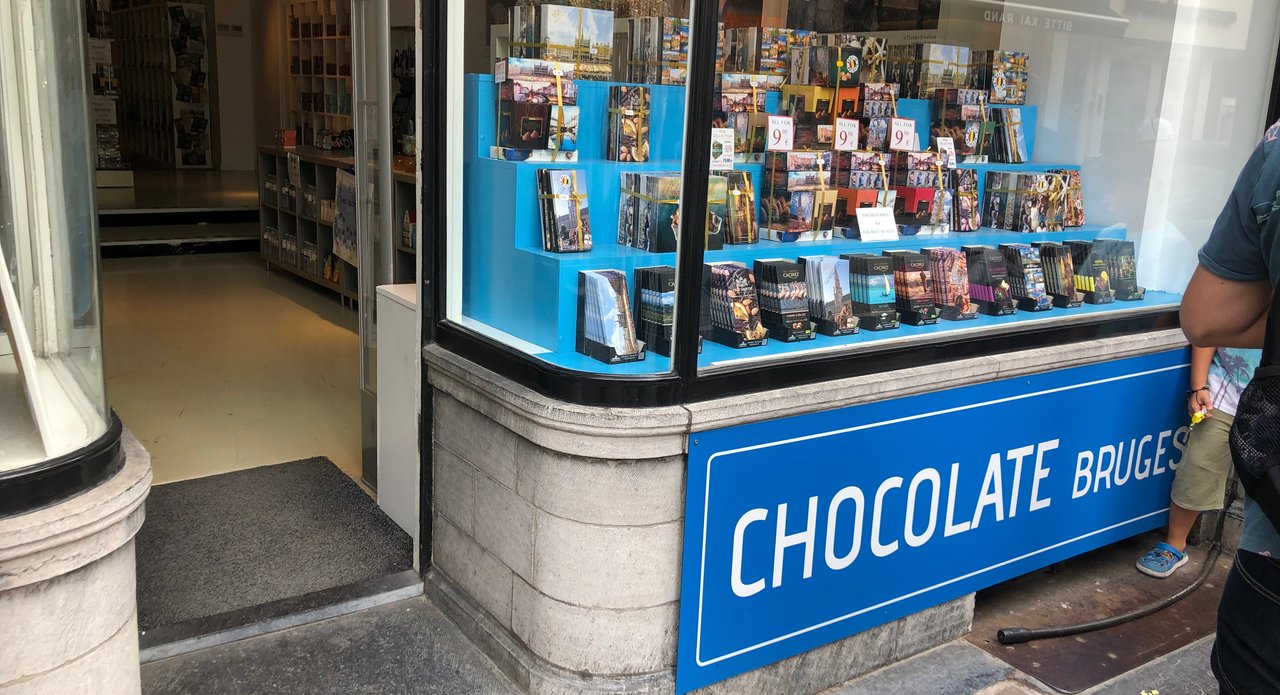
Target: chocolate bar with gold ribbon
566,222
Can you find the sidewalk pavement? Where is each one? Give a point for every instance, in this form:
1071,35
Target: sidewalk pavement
411,647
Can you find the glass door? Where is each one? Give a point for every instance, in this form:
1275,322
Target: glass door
372,69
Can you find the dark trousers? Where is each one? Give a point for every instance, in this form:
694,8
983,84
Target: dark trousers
1246,654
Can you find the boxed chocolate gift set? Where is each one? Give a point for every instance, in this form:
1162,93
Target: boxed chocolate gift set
862,180
826,66
959,114
1001,75
784,299
655,307
1026,277
566,222
538,115
873,291
811,110
871,53
628,124
799,200
966,212
912,287
580,36
731,306
949,283
1025,201
828,289
1073,207
989,281
1122,267
657,51
1009,143
649,211
606,331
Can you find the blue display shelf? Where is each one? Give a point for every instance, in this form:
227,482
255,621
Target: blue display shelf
513,285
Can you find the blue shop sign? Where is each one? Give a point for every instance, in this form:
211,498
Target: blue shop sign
806,530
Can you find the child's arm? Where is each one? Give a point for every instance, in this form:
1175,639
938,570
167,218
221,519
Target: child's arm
1200,400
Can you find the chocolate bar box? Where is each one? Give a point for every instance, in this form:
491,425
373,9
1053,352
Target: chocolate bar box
874,294
966,213
1093,278
606,330
989,281
533,80
918,170
912,287
828,291
578,35
826,66
1122,267
658,211
1059,274
655,306
1073,208
784,299
717,212
730,299
949,281
942,66
1026,277
871,52
628,124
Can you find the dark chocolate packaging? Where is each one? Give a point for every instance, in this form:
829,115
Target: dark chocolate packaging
655,305
1026,277
606,331
912,287
949,280
989,281
731,306
1093,279
1059,274
784,299
827,285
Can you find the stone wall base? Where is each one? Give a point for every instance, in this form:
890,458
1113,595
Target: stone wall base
811,672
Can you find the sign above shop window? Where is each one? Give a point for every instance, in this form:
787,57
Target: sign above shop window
806,530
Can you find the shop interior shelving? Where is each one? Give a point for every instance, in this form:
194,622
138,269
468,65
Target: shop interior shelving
533,300
320,67
295,236
146,82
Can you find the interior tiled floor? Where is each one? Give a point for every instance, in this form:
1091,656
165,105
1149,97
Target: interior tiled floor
218,365
183,190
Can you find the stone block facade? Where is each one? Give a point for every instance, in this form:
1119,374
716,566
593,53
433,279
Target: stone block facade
558,529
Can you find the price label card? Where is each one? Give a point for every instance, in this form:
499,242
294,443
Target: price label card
782,134
947,148
721,149
846,134
877,224
902,134
500,71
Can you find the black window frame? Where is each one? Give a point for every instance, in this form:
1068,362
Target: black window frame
684,384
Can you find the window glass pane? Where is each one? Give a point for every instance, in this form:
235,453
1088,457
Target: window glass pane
1096,142
567,217
52,398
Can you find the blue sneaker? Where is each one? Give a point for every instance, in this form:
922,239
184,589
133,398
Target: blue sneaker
1161,560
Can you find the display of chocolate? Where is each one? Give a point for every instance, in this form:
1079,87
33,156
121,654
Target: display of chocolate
717,212
580,36
949,283
606,331
744,92
1059,274
538,81
1024,201
826,66
750,131
1093,277
871,52
658,50
799,201
1122,267
860,169
914,206
913,288
1009,144
966,213
989,281
918,170
628,124
566,223
811,110
784,299
729,299
902,66
649,211
655,307
1073,208
942,67
1026,277
959,114
742,209
828,291
873,294
1001,75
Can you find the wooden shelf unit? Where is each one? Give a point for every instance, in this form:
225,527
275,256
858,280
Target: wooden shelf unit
320,67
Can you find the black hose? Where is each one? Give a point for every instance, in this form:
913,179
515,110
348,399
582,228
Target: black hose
1018,635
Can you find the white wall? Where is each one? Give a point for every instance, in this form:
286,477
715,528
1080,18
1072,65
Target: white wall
235,74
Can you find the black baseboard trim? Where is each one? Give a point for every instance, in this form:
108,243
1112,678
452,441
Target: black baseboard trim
202,633
178,247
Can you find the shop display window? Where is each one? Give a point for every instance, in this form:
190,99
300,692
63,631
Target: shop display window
881,175
52,401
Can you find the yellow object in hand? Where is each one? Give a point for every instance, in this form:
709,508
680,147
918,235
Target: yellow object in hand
1197,418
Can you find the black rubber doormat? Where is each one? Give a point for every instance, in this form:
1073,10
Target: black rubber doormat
249,538
1097,585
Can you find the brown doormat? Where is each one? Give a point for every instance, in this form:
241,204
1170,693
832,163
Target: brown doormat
1097,585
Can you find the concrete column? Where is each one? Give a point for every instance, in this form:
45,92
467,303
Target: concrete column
68,606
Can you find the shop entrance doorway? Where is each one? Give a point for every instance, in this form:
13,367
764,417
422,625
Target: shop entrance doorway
245,236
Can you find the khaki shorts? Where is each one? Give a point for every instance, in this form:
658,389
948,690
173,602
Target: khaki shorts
1201,480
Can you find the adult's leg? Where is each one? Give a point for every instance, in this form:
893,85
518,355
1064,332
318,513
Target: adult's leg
1246,653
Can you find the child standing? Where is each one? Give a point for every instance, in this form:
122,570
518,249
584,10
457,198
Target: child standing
1218,377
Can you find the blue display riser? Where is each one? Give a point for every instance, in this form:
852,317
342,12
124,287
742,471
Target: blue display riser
510,283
